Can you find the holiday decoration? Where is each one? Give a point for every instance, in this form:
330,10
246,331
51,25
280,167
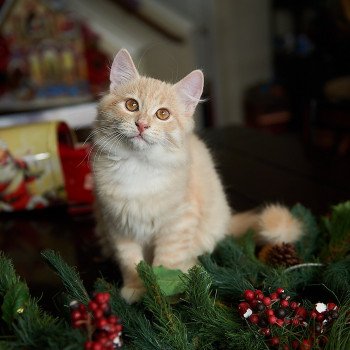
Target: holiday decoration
232,300
103,328
41,165
286,318
49,56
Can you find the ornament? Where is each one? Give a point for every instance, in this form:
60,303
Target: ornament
277,310
104,330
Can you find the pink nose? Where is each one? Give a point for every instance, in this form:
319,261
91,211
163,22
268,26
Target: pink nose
141,126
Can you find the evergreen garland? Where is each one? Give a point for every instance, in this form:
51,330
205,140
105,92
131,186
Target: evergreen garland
202,313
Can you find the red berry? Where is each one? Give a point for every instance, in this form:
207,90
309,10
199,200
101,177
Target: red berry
331,306
295,322
266,332
93,305
118,328
101,322
272,319
270,312
320,317
96,346
295,344
293,305
88,345
112,319
104,306
285,347
98,313
259,296
266,301
273,296
254,318
306,344
287,321
243,309
254,303
82,308
301,312
279,290
274,341
99,298
284,303
249,295
111,336
75,315
279,322
313,314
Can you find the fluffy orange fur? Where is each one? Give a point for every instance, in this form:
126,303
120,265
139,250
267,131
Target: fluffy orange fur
158,195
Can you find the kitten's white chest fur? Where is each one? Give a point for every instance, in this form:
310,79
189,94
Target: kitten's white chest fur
142,192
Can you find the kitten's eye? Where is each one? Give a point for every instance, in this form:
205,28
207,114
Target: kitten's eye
163,114
132,105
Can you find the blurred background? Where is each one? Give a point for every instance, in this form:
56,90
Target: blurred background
278,65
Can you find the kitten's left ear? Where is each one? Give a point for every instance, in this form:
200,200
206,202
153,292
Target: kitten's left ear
190,89
123,69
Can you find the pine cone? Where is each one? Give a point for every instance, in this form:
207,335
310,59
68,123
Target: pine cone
283,254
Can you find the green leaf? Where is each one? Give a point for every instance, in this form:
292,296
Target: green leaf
169,281
15,301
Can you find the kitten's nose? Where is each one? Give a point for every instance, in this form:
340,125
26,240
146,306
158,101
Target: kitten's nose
141,126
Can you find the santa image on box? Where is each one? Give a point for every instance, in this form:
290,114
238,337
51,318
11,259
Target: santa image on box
14,177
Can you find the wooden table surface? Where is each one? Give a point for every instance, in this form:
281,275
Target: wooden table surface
256,168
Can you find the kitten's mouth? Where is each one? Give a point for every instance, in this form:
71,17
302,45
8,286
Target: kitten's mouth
139,138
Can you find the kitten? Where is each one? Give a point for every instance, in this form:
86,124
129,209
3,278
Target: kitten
158,195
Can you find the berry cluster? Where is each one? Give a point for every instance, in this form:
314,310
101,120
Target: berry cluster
104,329
270,313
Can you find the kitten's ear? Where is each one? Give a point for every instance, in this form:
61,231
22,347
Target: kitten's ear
123,69
190,89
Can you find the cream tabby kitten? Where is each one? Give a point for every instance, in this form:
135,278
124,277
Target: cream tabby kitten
158,195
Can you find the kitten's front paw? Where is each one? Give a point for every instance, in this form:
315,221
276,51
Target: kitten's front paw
132,294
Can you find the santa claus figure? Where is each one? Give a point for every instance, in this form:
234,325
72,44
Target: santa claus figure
14,177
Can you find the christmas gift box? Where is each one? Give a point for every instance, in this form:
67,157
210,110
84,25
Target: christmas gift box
42,165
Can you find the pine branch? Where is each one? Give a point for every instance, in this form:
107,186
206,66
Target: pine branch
171,328
36,329
337,277
229,282
33,328
339,233
339,336
309,242
136,326
8,275
293,280
212,323
69,276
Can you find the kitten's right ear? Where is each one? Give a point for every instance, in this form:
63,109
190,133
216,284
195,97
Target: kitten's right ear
123,69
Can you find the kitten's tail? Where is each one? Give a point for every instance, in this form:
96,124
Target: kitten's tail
273,224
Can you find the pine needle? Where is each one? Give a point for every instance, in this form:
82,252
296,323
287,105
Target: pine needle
8,275
309,242
69,276
137,328
210,322
166,320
